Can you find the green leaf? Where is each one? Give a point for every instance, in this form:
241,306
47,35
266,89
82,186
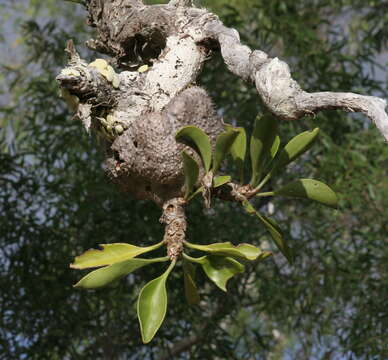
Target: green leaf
238,149
219,269
152,305
191,171
199,141
82,2
310,189
274,230
221,180
244,251
295,148
110,254
263,146
191,291
223,144
195,193
104,276
274,149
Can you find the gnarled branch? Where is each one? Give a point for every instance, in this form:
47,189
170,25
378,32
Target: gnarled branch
161,50
279,92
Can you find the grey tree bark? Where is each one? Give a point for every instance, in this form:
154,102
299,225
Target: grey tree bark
159,51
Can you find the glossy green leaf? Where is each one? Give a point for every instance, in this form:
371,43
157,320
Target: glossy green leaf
191,171
238,149
199,141
274,230
223,145
152,305
110,254
103,276
263,146
296,147
274,149
310,189
219,269
244,251
191,291
221,180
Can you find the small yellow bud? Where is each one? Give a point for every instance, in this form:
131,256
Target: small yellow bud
70,72
119,129
116,81
110,119
143,68
100,64
110,73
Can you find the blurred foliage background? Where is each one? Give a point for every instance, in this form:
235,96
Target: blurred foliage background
55,202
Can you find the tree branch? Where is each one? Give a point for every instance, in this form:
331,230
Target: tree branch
182,346
201,333
187,3
280,93
139,110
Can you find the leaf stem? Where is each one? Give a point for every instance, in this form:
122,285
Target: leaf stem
189,258
159,259
265,194
264,181
256,190
170,267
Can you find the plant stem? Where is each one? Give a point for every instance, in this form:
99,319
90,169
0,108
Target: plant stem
175,231
265,194
189,258
256,190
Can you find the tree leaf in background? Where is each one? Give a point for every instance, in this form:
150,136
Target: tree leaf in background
191,171
223,145
104,276
152,305
199,141
310,189
110,254
263,145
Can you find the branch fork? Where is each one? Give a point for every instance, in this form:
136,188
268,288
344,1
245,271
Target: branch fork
139,114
